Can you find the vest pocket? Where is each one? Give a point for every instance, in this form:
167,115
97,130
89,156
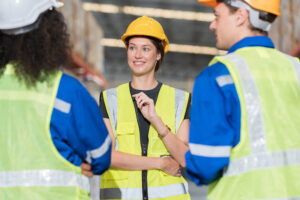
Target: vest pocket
125,137
115,174
157,147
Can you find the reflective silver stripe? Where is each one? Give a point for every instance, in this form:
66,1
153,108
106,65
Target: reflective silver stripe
24,96
209,151
112,104
96,153
263,161
179,106
49,178
62,105
136,193
285,198
252,102
167,190
95,187
296,66
224,80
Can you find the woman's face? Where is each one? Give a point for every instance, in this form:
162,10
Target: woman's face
142,56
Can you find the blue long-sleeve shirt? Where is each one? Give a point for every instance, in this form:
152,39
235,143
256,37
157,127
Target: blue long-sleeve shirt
77,128
215,119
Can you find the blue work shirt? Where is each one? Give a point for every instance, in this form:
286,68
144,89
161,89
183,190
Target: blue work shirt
215,118
77,128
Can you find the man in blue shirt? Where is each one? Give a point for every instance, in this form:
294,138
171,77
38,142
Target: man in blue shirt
228,146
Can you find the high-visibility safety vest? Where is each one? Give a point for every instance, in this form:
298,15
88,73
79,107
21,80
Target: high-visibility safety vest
171,105
266,162
31,167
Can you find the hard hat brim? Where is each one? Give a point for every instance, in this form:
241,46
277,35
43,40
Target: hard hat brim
209,3
166,41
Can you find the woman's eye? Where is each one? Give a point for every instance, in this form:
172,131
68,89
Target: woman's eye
146,49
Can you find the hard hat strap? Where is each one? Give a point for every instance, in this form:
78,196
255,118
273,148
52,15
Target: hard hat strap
253,14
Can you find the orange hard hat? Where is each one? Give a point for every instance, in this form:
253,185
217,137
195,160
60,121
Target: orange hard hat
146,26
270,6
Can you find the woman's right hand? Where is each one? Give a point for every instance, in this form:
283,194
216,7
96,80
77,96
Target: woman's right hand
170,166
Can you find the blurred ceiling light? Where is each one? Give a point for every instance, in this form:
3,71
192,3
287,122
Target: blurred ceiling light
105,8
170,14
178,48
151,12
109,42
183,48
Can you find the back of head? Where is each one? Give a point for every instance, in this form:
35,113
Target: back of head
33,37
261,13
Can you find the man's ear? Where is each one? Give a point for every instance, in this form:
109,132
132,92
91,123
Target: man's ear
242,16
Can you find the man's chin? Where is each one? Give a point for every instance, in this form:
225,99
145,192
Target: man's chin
221,47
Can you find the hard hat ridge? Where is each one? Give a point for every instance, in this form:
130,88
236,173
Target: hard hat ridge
270,6
17,17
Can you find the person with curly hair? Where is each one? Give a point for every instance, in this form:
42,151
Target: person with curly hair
49,123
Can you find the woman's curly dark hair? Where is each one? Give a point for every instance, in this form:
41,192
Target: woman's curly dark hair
39,53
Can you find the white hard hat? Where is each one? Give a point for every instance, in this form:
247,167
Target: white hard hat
15,14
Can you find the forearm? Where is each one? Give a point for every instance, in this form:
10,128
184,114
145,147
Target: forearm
127,161
175,145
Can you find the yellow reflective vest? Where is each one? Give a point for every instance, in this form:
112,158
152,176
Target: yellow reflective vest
266,162
31,168
124,184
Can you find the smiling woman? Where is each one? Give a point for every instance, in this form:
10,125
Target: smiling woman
143,56
148,122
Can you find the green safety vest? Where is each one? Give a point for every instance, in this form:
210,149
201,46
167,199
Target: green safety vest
125,184
266,162
31,167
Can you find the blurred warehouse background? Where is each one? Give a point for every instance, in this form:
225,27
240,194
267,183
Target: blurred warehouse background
97,25
100,57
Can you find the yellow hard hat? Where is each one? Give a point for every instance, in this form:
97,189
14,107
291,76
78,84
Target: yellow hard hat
146,26
270,6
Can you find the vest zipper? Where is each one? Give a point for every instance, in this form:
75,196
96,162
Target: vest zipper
144,175
144,148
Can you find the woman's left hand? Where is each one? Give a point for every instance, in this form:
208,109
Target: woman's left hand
146,106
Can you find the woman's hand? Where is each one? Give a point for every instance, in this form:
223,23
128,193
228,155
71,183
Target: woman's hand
170,166
146,106
86,169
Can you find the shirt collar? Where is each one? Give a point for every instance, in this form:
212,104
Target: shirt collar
263,41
